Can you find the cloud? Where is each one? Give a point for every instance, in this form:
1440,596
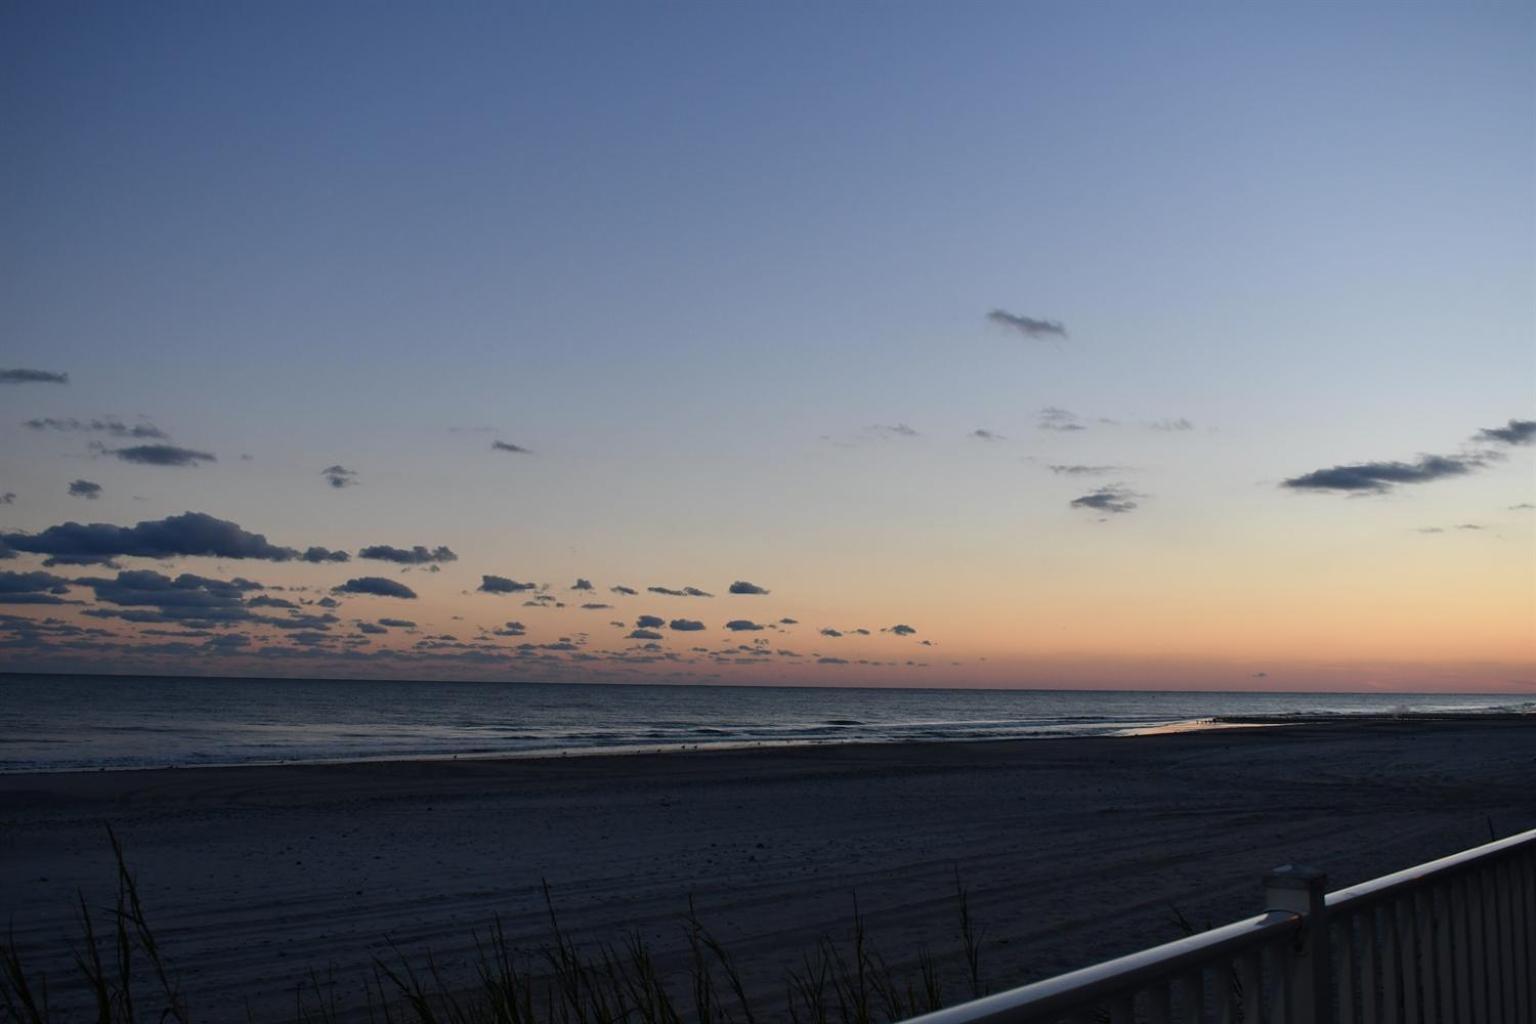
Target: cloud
593,606
12,583
417,555
1379,477
191,533
398,623
184,597
834,633
899,629
789,622
368,627
160,455
339,476
982,434
685,592
1054,418
1028,326
511,629
32,377
1076,469
1524,506
114,427
1515,432
643,634
319,554
502,585
831,661
103,560
650,622
85,489
1172,425
1112,498
686,625
378,586
505,446
743,587
893,430
625,591
743,626
8,498
582,584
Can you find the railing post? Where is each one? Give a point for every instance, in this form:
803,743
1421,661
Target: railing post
1302,890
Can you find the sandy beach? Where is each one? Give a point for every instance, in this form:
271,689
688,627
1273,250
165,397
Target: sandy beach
1073,850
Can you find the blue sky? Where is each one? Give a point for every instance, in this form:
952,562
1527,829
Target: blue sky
691,255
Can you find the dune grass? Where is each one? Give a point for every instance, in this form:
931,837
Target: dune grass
127,979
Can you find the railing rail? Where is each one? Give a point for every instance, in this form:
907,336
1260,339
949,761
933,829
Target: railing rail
1451,941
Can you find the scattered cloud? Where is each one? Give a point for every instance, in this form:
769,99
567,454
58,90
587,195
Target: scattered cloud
593,606
191,533
892,430
160,455
743,626
339,476
1514,432
85,489
501,585
32,588
114,427
8,498
643,634
319,555
834,633
1058,419
1028,325
1112,498
511,629
417,555
1172,425
1379,477
686,625
982,434
32,377
685,592
398,623
650,622
1078,469
623,590
743,587
899,629
506,446
582,584
377,586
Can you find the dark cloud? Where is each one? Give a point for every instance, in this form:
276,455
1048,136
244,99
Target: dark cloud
899,629
593,606
1379,477
789,622
319,554
191,533
650,622
626,591
505,446
831,661
1076,469
417,555
339,476
268,601
160,455
1113,499
582,584
743,626
1028,326
686,625
103,560
85,489
180,598
114,427
511,629
685,592
501,585
834,633
398,623
643,634
368,627
378,586
32,583
8,498
1058,419
1514,432
743,587
32,377
982,434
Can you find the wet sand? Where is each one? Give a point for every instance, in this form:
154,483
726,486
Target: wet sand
1074,850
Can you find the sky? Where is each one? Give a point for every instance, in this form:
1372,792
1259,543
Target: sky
1182,346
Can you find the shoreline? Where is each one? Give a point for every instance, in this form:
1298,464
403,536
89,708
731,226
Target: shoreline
1072,851
1179,727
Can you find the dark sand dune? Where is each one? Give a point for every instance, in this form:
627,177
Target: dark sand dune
1074,850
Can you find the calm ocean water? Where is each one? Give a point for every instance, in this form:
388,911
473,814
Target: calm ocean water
51,723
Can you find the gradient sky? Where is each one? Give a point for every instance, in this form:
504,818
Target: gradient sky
725,271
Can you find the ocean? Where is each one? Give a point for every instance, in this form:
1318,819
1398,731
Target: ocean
59,722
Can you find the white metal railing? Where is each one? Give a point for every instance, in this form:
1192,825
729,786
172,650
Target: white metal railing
1452,941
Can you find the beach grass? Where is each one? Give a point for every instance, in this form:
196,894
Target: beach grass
126,978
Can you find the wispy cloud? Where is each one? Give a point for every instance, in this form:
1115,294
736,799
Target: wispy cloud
1055,418
892,430
20,376
982,434
339,476
1172,425
684,592
114,427
1028,325
1079,469
417,555
507,446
